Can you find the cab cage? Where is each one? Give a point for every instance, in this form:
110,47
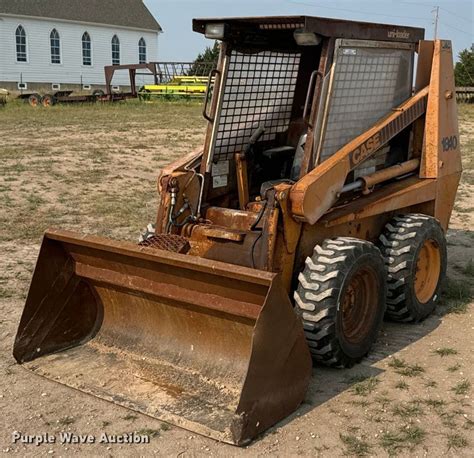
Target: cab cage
303,96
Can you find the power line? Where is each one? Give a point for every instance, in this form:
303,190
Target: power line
416,3
440,7
455,28
456,15
390,15
356,11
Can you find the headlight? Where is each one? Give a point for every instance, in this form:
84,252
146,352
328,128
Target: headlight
216,31
306,38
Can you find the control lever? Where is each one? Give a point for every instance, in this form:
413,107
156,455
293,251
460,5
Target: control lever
241,167
253,139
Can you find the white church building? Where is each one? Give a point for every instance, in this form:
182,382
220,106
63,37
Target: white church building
64,44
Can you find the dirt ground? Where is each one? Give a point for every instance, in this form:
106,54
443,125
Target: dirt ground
93,170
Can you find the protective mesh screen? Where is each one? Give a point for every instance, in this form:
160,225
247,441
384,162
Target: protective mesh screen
259,90
368,83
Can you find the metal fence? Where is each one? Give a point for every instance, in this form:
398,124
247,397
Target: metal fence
166,71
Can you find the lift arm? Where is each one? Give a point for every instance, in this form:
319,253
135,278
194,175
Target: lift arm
318,191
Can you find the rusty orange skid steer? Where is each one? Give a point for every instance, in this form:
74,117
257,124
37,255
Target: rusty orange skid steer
317,206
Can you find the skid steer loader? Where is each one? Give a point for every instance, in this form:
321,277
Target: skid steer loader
317,206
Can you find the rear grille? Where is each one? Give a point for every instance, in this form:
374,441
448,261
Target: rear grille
167,242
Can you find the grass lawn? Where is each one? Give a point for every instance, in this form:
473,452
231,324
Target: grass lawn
93,169
90,168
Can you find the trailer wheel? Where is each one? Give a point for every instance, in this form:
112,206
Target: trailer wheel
414,247
34,100
48,100
98,93
341,300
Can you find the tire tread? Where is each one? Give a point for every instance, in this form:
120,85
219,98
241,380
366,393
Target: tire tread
317,296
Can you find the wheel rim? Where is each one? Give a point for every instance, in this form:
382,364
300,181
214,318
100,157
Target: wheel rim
428,269
34,102
359,302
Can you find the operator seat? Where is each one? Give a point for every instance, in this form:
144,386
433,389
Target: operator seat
280,152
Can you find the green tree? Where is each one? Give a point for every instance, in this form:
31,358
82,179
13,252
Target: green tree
464,69
205,61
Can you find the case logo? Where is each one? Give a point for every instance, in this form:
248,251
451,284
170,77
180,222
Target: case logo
365,150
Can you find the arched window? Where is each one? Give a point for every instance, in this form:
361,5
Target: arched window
20,39
86,49
115,50
142,51
55,47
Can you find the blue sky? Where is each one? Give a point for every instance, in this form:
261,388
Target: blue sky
180,43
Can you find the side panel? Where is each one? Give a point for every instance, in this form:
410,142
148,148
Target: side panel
441,154
441,157
425,61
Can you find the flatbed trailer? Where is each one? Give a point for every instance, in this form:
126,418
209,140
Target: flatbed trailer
63,97
109,95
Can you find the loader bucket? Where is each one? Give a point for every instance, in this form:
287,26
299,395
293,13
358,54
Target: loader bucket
208,346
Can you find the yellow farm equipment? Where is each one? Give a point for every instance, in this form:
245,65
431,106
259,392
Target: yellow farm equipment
179,86
172,89
3,96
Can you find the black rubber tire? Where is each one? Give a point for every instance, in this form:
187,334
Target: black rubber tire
400,243
48,100
323,285
98,93
34,100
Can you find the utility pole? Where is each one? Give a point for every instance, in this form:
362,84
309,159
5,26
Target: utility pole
436,20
